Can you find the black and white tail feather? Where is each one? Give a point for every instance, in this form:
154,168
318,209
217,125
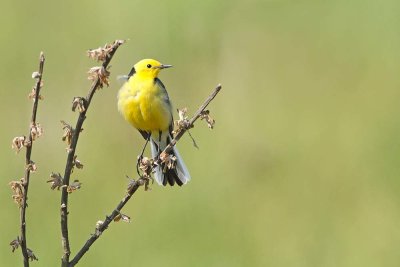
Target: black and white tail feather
163,175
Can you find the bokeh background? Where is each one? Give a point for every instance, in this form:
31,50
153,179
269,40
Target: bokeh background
302,168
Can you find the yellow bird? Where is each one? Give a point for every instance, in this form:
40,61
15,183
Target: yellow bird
143,101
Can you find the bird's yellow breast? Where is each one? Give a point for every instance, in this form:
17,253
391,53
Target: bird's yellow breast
142,103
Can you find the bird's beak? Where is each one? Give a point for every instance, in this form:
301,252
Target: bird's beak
164,66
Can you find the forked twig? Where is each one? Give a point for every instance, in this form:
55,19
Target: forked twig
98,82
133,187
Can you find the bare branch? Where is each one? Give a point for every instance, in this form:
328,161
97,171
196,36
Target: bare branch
99,79
180,132
101,226
34,132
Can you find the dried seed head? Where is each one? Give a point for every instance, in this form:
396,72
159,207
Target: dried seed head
56,181
18,189
168,161
19,142
74,186
205,115
68,131
146,181
31,256
77,163
99,224
78,103
31,166
32,94
122,217
35,75
145,165
182,113
36,131
183,122
117,218
99,74
15,243
102,53
99,54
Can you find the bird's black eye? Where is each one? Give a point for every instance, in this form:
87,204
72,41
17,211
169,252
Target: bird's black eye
149,66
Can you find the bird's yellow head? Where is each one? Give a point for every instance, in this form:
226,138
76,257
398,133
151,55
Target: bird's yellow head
149,68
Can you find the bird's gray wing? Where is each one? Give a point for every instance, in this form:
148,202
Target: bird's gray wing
165,98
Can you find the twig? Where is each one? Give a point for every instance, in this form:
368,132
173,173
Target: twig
25,251
103,226
141,181
197,115
97,83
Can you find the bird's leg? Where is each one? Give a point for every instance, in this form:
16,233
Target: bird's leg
159,143
141,154
159,151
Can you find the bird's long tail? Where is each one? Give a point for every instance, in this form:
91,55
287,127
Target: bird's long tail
163,175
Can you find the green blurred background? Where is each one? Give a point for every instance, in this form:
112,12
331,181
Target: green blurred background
302,168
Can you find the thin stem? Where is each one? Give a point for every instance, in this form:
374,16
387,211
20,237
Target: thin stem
141,181
71,153
107,221
28,162
197,115
141,154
